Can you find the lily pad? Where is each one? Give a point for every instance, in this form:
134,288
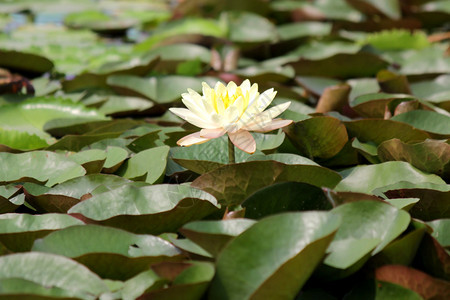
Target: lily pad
42,168
214,235
52,270
368,228
378,131
151,209
20,230
109,252
285,196
232,184
65,195
144,165
304,236
25,62
365,179
364,65
440,231
321,137
429,121
431,156
161,90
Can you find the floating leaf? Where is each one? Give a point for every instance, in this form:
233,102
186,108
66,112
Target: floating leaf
378,131
232,184
52,270
368,228
363,65
143,165
151,209
397,39
365,179
214,235
109,252
321,137
65,195
190,282
440,231
426,120
285,196
431,156
423,284
25,62
245,27
20,140
433,204
304,237
20,230
42,167
161,90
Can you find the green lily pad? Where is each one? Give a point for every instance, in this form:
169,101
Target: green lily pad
369,227
122,106
285,196
440,231
161,90
138,66
245,27
144,165
52,270
214,154
378,131
321,137
426,120
232,184
184,27
379,290
189,282
42,167
297,30
20,230
17,288
304,237
365,179
151,209
109,252
20,140
431,156
91,160
63,196
115,156
9,196
397,39
337,66
78,142
316,85
214,235
433,204
25,62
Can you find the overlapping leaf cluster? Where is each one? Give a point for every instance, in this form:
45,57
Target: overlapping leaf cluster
350,201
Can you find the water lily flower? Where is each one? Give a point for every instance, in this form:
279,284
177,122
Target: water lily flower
233,110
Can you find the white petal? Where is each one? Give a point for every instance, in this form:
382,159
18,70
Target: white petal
192,139
193,106
261,102
206,89
231,87
192,118
212,133
275,124
245,85
277,110
243,140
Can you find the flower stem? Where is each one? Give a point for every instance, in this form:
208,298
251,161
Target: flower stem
231,159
